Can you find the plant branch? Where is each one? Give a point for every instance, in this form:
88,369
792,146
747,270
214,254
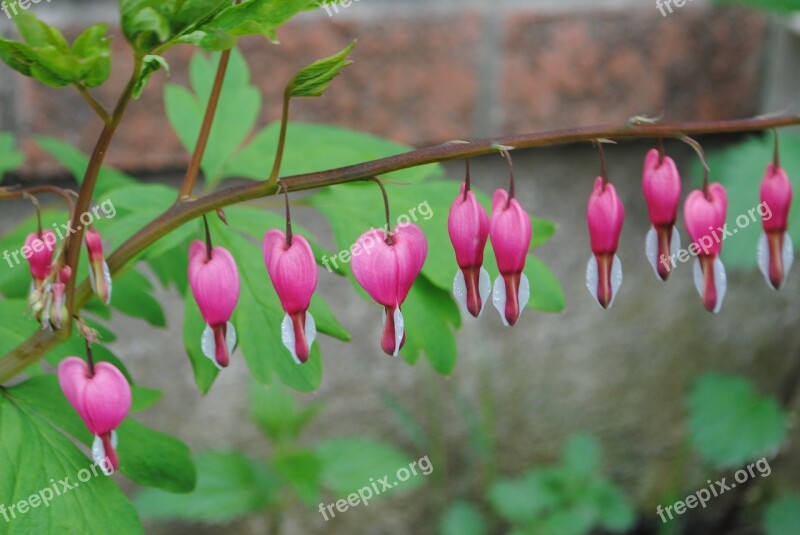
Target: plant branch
276,166
87,189
96,106
17,193
205,131
37,345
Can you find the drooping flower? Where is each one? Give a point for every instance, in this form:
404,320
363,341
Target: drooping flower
386,267
40,256
468,225
775,249
705,213
54,314
99,275
293,272
661,184
102,400
510,232
214,280
605,215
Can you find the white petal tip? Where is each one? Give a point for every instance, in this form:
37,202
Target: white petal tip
209,346
399,330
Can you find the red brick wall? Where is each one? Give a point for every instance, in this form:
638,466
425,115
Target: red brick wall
425,76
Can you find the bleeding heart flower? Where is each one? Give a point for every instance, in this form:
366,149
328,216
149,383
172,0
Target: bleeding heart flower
40,255
99,275
54,314
214,279
605,215
661,184
775,249
510,232
102,401
468,225
705,214
386,267
293,271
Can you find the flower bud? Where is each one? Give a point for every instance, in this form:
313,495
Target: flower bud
605,215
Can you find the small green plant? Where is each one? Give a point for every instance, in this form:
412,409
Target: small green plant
232,485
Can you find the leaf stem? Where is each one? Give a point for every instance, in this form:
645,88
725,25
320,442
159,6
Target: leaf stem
288,216
276,166
35,347
95,105
205,130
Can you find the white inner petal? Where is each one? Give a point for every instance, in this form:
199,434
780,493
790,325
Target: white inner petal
208,345
99,454
484,288
459,289
721,282
399,330
616,279
287,337
763,257
107,277
499,298
592,278
675,244
311,330
788,255
651,249
524,293
230,337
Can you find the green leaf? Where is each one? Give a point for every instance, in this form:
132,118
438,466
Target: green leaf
781,6
146,456
570,498
732,424
151,64
547,295
300,469
431,318
349,464
47,57
783,516
275,410
741,168
313,80
255,17
92,506
15,327
10,157
463,518
210,24
237,112
582,454
132,296
144,398
229,486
